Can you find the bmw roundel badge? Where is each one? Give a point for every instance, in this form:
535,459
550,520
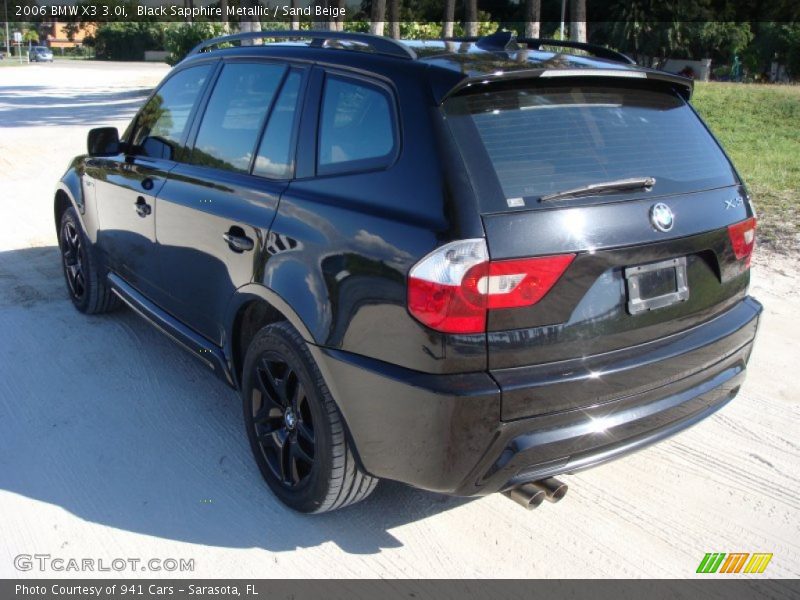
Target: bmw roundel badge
661,217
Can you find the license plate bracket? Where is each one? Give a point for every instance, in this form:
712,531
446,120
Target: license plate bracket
656,285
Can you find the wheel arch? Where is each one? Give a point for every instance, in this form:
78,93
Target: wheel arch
68,193
255,306
61,203
252,308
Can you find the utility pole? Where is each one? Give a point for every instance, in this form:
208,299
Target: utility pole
8,42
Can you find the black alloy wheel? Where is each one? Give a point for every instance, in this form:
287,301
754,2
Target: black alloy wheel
87,285
74,258
282,421
296,431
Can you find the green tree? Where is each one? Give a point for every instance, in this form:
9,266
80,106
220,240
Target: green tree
128,40
180,38
30,36
774,42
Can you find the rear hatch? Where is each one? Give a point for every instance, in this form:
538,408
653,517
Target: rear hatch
653,253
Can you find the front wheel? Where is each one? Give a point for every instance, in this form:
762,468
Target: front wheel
87,287
295,429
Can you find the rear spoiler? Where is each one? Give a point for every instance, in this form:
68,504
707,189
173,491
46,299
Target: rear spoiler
684,85
506,41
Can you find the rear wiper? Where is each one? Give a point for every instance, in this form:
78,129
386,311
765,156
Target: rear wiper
606,187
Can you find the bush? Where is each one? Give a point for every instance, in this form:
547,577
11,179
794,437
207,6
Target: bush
180,38
82,51
128,41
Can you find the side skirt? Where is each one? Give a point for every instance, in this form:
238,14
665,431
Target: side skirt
210,354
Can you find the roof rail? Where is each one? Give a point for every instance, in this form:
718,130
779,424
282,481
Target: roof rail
380,45
501,41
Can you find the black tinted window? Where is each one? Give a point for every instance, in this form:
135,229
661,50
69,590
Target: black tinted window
232,121
545,140
163,120
274,159
356,126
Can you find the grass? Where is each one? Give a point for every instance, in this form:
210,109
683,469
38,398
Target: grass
72,57
759,126
14,61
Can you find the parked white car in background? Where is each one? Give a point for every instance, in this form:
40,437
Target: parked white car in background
40,54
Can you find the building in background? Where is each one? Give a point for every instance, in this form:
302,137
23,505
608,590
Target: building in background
57,34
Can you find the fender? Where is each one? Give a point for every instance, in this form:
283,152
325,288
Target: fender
255,291
69,190
70,184
248,293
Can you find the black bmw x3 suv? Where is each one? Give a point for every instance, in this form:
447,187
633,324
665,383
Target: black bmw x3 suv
468,265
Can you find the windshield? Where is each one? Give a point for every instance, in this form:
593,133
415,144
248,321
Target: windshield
537,141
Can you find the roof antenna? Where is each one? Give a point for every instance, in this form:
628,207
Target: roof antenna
499,41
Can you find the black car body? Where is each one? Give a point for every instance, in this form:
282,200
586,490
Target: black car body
374,175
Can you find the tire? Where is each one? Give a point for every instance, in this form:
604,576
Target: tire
296,432
86,285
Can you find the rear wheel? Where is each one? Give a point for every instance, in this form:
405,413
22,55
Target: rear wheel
295,429
88,289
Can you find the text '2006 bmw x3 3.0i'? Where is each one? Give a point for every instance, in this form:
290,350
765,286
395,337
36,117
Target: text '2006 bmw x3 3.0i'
468,265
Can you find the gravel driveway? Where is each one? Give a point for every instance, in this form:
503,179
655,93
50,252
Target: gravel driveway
114,443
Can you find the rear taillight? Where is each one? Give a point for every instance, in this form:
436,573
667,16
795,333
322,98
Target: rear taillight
522,281
453,287
743,239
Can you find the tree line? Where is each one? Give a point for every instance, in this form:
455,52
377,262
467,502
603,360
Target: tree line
648,30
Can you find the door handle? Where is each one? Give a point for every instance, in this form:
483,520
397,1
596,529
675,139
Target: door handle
142,207
237,240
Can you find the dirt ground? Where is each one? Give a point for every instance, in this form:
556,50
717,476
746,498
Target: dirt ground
114,443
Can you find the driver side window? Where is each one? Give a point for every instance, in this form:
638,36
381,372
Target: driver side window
163,121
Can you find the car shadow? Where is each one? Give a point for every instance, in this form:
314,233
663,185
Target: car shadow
106,418
26,106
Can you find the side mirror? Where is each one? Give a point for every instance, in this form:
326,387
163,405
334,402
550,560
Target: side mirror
104,141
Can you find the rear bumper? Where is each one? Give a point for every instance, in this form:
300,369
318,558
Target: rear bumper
446,432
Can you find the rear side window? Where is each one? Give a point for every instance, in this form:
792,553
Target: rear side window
356,128
234,116
274,159
540,141
163,120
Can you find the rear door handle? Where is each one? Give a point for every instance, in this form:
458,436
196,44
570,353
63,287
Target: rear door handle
142,207
237,240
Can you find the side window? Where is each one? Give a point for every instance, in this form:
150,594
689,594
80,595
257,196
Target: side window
356,128
232,121
163,120
274,159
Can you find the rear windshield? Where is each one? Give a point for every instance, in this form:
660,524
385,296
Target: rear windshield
528,142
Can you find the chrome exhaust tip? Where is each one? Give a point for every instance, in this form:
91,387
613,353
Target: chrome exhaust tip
554,490
527,495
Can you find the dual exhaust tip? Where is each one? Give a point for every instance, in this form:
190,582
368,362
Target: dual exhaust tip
532,494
